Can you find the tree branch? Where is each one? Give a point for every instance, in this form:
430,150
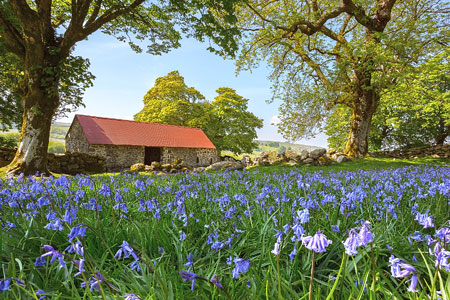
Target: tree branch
97,6
13,38
27,17
382,15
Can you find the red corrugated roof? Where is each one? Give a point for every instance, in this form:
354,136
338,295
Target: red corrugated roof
106,131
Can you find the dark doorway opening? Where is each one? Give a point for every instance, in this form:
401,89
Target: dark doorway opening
152,154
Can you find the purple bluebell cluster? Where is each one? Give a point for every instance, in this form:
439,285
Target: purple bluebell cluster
223,226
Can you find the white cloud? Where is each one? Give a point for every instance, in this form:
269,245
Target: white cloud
275,120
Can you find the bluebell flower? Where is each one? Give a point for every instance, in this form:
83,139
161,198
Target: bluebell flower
412,288
276,249
54,253
303,216
77,231
131,297
161,250
352,242
216,282
76,247
41,294
40,262
182,236
241,266
80,265
444,235
55,224
5,284
190,260
317,243
126,250
400,269
95,281
365,235
188,276
335,228
293,253
229,260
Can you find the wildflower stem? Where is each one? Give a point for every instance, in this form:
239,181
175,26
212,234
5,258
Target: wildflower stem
374,275
341,269
279,277
312,276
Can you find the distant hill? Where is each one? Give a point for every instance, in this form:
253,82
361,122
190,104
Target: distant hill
58,131
266,146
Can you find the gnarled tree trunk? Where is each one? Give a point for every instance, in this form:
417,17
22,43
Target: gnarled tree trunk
40,100
363,108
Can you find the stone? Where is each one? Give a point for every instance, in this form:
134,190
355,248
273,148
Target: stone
291,163
316,153
225,165
309,161
166,167
156,165
139,167
246,160
304,155
341,159
292,156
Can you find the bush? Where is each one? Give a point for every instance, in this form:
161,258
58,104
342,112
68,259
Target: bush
10,139
56,147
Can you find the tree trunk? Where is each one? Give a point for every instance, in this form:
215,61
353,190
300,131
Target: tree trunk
40,100
363,108
442,135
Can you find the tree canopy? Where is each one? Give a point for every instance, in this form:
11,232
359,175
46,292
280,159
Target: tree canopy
39,36
325,53
415,112
226,120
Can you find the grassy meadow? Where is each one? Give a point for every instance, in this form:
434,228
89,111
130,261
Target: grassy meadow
367,229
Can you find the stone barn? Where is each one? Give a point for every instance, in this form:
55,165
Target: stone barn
124,143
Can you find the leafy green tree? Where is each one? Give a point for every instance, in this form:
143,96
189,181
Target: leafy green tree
232,127
41,35
416,112
225,121
171,101
325,53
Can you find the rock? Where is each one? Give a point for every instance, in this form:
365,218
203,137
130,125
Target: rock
291,156
316,153
435,156
228,158
308,161
139,167
304,154
324,160
225,165
291,163
341,159
166,167
156,165
246,160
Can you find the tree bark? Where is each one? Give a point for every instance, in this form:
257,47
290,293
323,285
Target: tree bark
31,155
363,108
40,100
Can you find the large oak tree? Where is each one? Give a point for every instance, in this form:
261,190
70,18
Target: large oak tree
226,120
325,53
41,34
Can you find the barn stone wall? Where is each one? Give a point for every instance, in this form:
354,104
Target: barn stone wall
119,157
195,157
76,141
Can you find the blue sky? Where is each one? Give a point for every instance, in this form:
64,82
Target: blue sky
123,77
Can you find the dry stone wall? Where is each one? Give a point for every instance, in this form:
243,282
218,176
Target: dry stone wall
439,151
194,157
67,163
